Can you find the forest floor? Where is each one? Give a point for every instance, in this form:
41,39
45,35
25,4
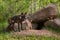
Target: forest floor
37,33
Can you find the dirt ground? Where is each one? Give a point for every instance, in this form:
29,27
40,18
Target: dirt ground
36,32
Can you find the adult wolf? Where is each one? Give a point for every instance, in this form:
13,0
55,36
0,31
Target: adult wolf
16,19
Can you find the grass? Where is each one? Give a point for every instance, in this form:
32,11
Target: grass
53,29
9,36
3,26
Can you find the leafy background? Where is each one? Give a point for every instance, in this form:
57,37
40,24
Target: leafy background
10,8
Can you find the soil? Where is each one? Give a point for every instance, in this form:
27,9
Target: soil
36,32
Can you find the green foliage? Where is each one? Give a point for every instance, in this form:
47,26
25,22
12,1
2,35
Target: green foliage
10,8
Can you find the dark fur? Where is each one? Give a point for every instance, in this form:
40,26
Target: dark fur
16,19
